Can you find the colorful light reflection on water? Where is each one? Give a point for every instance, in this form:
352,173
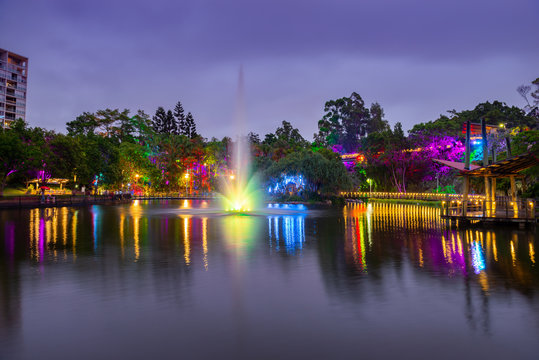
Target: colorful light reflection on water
286,267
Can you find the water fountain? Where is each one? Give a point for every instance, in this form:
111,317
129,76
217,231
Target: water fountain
240,190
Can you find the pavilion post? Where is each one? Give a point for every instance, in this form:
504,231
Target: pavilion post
493,196
467,149
485,164
465,195
514,195
488,194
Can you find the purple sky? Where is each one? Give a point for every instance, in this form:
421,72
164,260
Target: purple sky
416,58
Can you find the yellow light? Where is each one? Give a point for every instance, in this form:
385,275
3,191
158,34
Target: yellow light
186,175
232,177
137,175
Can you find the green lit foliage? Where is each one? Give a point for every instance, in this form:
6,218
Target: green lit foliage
528,142
106,123
323,171
494,113
13,152
133,161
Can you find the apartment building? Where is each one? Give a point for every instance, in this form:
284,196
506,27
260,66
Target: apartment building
13,80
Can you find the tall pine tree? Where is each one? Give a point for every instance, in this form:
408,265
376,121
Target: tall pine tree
170,126
180,119
190,126
159,119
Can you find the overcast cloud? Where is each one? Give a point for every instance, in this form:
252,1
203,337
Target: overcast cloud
416,58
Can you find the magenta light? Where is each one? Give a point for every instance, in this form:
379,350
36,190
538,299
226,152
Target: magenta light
41,239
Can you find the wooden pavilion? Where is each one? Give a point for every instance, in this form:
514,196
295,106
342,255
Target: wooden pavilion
507,168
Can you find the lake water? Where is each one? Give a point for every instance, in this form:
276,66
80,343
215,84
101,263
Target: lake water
178,279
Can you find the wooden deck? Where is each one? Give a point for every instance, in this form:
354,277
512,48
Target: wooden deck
502,210
519,212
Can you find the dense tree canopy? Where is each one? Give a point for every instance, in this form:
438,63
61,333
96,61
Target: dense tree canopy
116,150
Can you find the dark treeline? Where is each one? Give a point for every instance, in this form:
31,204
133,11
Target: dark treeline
113,149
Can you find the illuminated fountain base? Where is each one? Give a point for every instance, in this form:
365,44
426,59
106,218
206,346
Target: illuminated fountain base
241,197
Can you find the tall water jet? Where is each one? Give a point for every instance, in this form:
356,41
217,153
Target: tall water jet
239,188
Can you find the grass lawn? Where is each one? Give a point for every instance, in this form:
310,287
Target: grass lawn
14,192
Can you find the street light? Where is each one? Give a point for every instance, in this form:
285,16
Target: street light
370,185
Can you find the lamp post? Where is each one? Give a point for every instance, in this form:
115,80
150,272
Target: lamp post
186,176
370,185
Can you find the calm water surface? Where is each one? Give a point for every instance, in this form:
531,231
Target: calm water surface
177,279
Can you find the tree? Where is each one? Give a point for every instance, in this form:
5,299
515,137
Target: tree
289,134
377,122
170,127
83,125
190,126
142,127
531,109
159,120
345,121
64,156
13,153
107,123
323,171
180,119
254,139
494,113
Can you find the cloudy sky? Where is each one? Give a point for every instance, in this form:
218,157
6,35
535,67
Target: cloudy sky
417,58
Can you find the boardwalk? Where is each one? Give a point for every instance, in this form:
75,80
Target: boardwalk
175,197
503,209
35,201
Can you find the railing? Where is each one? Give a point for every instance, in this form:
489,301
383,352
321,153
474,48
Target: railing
59,200
502,208
408,196
453,205
171,196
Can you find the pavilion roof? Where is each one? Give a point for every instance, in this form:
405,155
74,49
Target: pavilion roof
50,181
455,164
502,168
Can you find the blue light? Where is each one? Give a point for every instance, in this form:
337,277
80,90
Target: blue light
478,259
285,181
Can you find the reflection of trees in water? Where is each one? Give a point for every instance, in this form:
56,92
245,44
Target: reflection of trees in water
359,248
